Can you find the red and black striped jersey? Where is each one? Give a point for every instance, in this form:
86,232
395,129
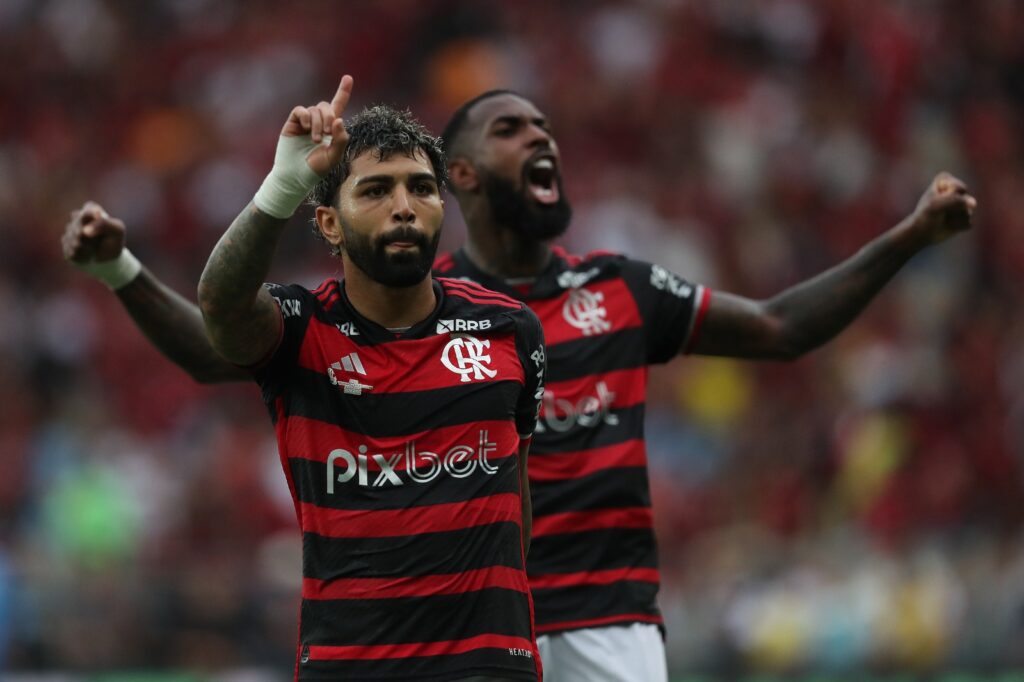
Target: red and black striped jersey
593,557
400,450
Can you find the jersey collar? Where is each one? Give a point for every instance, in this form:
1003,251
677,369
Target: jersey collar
379,334
545,285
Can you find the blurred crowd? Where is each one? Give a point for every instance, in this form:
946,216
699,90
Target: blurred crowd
859,509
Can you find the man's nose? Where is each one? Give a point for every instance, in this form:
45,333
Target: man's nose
539,138
401,207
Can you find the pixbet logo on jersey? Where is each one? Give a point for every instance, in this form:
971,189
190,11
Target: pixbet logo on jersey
583,310
464,355
561,415
421,466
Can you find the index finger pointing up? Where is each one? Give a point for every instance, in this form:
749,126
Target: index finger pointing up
340,100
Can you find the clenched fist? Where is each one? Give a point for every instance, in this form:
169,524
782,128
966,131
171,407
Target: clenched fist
944,209
92,235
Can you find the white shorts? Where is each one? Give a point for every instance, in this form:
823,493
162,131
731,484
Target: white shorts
617,653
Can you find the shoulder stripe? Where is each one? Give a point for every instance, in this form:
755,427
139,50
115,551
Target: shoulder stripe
324,286
576,522
420,648
483,301
416,586
444,262
571,260
475,288
328,293
472,289
330,301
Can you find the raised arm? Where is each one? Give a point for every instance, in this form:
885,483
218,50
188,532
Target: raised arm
807,315
95,243
242,320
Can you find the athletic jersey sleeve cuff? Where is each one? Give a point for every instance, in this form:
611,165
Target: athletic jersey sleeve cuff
703,300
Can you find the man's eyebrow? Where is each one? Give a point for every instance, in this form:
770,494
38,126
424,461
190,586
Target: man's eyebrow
419,177
506,120
370,179
390,179
511,119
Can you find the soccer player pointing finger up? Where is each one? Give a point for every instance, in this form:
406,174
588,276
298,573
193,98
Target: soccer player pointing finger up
403,407
593,566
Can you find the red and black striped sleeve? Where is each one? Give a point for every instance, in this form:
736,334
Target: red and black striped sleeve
297,306
671,308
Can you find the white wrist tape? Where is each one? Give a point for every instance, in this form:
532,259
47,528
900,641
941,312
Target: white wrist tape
115,273
291,178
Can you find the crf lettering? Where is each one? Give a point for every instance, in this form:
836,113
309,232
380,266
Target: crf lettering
464,355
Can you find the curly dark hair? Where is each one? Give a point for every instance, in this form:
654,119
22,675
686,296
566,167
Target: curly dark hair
384,131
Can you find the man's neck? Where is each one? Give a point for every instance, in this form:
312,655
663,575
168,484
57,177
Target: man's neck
390,307
501,252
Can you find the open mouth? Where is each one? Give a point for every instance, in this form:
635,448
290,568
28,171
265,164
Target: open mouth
542,180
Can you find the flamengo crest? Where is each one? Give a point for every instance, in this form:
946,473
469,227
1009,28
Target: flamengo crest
583,310
464,355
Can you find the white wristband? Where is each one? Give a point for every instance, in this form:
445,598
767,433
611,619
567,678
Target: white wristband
291,178
115,273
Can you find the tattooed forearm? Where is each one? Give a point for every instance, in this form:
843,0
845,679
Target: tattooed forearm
242,320
175,326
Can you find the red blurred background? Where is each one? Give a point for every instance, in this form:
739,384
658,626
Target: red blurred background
857,510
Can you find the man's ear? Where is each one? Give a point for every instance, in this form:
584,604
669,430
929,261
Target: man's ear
463,175
329,223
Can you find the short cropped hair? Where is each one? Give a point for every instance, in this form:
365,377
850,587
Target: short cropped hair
384,131
457,123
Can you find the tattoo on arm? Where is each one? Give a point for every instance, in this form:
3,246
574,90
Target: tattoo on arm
242,320
175,326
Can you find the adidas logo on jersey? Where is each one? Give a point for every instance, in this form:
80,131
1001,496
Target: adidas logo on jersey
447,326
351,364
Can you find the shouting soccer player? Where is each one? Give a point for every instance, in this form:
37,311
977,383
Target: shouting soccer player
593,564
403,407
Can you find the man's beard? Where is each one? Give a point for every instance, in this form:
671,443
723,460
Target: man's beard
511,209
401,269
